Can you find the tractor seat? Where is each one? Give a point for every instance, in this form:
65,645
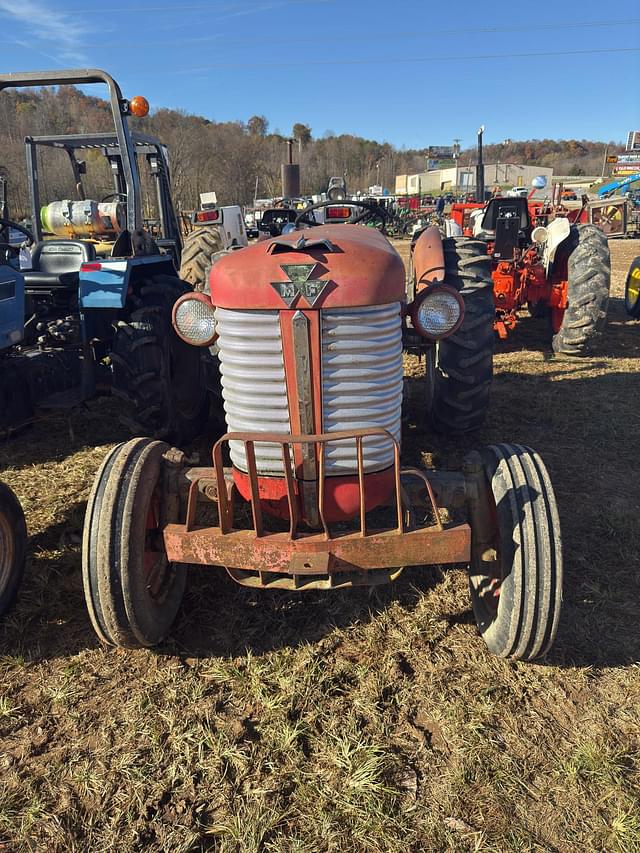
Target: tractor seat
56,264
506,206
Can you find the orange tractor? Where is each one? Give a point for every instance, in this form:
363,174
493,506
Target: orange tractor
550,259
306,489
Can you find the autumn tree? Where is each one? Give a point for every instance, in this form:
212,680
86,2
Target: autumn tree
258,126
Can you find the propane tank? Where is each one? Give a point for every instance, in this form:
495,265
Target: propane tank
82,219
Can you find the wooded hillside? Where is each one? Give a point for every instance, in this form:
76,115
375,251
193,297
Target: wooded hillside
228,156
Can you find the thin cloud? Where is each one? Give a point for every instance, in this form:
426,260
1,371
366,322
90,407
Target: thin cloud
60,32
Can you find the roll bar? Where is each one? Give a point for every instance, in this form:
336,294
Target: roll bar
119,110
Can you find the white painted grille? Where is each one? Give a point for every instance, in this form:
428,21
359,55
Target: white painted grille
361,382
253,382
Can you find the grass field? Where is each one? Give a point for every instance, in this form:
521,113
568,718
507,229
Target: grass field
351,721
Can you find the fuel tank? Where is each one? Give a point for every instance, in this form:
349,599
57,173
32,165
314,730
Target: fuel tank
82,219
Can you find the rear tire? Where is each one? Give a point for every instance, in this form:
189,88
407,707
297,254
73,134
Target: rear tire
159,377
200,245
632,290
459,398
13,546
132,593
517,596
589,280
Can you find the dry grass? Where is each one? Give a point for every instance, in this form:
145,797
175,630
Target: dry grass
354,721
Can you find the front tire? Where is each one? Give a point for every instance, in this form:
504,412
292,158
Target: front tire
589,279
159,377
13,545
632,290
516,587
462,365
132,593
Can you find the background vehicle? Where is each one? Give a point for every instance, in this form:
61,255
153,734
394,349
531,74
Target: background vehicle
13,530
544,258
214,230
314,418
632,289
337,189
93,310
274,219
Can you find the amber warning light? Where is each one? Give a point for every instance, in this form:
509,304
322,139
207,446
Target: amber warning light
139,106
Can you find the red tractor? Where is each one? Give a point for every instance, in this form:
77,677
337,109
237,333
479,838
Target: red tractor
306,489
552,260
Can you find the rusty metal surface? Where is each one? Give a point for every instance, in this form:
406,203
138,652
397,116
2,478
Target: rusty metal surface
260,555
317,443
277,552
428,258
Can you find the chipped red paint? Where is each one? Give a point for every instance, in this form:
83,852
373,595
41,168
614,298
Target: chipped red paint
428,258
277,552
342,494
365,269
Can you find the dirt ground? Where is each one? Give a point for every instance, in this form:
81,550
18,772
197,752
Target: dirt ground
351,721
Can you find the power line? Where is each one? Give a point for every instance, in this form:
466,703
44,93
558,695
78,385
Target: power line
212,5
318,37
405,60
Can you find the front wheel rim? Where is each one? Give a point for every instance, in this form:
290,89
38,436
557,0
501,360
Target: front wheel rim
156,567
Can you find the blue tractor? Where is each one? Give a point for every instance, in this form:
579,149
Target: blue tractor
88,289
13,530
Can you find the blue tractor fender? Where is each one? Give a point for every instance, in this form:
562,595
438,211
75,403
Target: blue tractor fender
104,287
11,307
106,283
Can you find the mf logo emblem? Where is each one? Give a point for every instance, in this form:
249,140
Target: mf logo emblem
299,284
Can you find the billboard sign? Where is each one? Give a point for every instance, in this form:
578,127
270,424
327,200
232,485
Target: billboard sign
628,159
626,164
633,140
441,152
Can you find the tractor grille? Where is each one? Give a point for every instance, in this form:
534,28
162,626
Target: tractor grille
361,382
253,382
361,362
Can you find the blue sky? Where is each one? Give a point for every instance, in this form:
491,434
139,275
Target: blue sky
410,72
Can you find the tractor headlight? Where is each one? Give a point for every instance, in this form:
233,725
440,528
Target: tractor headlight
437,312
194,320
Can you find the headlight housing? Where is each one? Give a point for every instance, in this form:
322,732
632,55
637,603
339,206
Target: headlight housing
437,312
194,320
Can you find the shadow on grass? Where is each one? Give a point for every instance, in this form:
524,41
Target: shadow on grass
534,334
581,420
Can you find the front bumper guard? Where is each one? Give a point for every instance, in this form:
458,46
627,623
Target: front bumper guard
330,557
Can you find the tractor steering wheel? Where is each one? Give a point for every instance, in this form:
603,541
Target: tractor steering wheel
372,212
8,250
122,196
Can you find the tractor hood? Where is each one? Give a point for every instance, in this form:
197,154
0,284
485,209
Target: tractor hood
328,266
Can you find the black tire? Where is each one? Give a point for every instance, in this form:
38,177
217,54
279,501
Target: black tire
199,247
458,398
123,607
632,290
589,278
13,546
159,377
517,597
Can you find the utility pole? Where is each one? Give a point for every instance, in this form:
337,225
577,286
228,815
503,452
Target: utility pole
480,167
